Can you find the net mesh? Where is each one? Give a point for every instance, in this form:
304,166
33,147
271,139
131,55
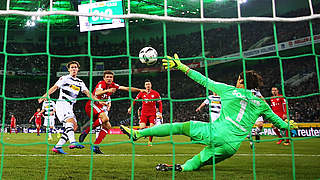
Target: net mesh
201,21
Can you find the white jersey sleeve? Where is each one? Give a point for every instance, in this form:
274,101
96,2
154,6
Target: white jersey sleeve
206,101
83,87
61,81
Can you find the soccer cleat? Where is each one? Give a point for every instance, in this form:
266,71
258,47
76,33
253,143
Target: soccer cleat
128,132
83,136
279,142
149,143
96,149
167,167
286,143
76,145
58,150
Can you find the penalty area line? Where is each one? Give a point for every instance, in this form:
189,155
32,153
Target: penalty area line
151,155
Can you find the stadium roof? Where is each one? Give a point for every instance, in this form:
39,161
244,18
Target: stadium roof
177,8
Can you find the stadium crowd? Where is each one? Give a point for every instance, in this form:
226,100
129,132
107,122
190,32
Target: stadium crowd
30,78
304,109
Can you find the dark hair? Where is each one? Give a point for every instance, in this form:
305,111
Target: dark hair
73,62
108,72
253,79
147,80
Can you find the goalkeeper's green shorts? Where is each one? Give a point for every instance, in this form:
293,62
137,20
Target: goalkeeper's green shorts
204,133
215,151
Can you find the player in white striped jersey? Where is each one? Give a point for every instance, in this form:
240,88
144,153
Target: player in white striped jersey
69,86
49,112
159,118
214,103
259,121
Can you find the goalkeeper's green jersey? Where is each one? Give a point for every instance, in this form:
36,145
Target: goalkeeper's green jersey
240,110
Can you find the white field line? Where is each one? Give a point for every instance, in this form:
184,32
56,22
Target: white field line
154,155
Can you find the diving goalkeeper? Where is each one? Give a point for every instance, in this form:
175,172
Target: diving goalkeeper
240,110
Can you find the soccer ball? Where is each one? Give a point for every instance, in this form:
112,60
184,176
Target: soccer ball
148,55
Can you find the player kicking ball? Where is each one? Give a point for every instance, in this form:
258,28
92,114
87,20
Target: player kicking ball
103,90
70,86
240,109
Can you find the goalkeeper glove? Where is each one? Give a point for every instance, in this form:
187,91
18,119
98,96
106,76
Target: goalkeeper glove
292,124
174,63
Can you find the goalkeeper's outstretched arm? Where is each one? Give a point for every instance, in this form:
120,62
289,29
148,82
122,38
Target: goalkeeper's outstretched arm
278,122
214,86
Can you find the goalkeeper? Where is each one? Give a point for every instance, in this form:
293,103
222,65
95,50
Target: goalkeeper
240,109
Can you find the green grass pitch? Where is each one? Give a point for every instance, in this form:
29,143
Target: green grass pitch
272,161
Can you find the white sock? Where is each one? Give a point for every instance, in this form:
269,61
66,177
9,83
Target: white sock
97,130
70,132
63,139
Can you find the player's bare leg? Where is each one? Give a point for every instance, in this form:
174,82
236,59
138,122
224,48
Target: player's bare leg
142,126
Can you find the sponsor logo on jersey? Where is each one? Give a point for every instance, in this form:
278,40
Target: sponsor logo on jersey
76,88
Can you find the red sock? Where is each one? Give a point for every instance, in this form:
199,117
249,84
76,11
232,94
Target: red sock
287,135
102,135
38,130
277,132
95,124
10,131
150,138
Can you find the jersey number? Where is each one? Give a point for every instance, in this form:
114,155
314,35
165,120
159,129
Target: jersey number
242,109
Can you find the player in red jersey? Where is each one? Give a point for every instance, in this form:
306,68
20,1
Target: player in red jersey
278,106
104,89
37,116
13,124
148,112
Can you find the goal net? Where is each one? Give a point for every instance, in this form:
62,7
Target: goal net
219,38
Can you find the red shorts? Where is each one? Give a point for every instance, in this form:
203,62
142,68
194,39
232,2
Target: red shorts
144,118
38,123
13,126
96,109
